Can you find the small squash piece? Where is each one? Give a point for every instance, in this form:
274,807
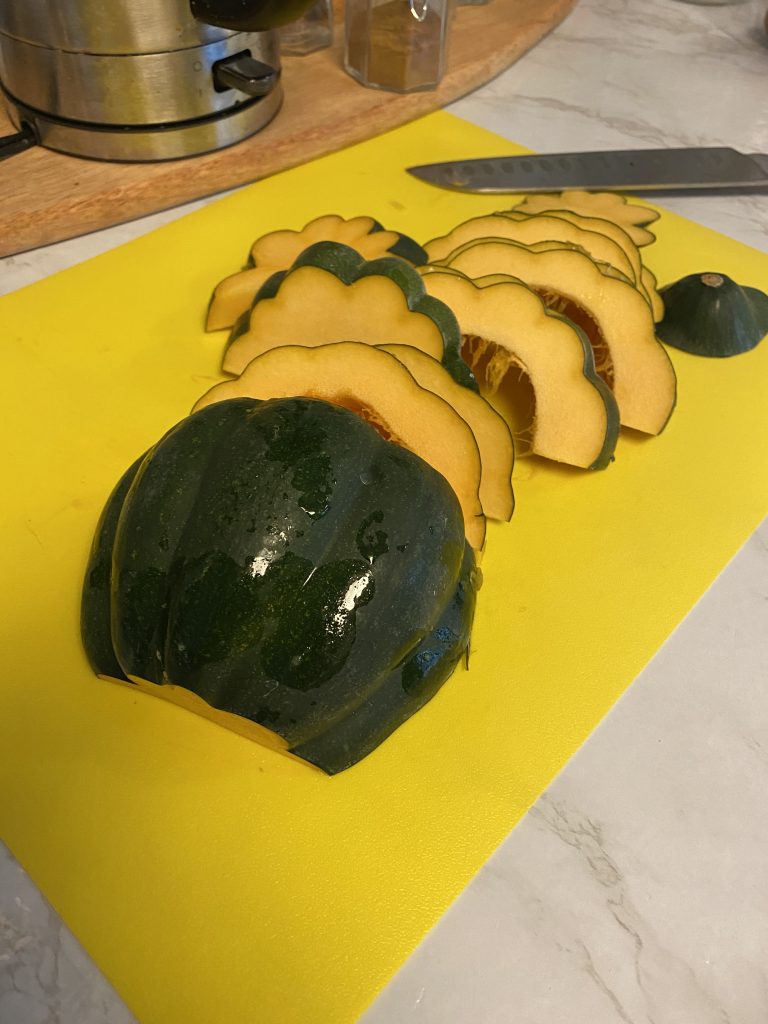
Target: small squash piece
280,569
376,386
507,328
533,229
614,316
709,314
332,294
611,206
278,249
494,440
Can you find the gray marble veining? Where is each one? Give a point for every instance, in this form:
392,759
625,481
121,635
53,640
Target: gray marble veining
636,889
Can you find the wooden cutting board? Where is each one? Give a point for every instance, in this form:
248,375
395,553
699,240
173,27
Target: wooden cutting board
46,197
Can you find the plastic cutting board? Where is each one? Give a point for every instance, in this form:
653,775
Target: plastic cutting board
215,881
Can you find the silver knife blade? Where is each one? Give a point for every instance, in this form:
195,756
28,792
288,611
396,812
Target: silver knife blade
610,170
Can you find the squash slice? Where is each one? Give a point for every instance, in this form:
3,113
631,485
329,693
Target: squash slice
376,386
497,450
534,229
611,206
332,294
644,284
650,284
507,328
278,249
617,320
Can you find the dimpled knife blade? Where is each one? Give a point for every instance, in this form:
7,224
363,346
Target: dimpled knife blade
712,167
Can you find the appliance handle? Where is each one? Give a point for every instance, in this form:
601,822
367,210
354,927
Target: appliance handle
10,145
244,73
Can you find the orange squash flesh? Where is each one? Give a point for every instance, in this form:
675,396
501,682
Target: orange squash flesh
530,230
277,251
497,451
642,376
575,421
314,307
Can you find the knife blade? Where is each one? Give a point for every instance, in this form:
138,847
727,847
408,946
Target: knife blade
705,167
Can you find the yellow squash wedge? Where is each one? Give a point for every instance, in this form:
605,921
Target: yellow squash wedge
611,206
497,450
617,234
614,315
508,329
314,307
533,229
278,249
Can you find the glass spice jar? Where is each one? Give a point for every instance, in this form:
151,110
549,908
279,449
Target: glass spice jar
399,45
313,31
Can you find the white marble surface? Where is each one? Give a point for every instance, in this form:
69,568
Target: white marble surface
636,890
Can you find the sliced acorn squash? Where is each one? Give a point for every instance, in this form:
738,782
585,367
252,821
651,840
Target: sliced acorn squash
278,249
611,206
533,229
613,231
507,329
280,569
650,284
710,314
332,294
376,386
617,320
494,440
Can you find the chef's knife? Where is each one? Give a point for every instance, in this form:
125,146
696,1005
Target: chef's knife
612,170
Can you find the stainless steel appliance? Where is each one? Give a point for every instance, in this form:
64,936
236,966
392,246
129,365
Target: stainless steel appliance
141,79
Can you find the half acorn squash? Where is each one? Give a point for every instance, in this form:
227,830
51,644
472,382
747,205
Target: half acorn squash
279,568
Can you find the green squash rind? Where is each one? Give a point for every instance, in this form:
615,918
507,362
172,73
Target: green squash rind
283,562
95,604
408,687
348,266
717,320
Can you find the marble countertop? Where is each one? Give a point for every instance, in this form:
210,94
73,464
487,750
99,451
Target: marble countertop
636,888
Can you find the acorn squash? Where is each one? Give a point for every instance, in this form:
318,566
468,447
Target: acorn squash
611,206
616,319
332,294
278,249
376,386
494,440
709,314
280,569
508,330
533,229
644,282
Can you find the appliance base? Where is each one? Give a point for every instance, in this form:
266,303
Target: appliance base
147,143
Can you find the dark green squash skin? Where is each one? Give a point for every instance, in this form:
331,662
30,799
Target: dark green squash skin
286,564
95,607
715,320
349,266
406,689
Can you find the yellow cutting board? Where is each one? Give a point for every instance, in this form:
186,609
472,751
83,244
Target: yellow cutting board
215,881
